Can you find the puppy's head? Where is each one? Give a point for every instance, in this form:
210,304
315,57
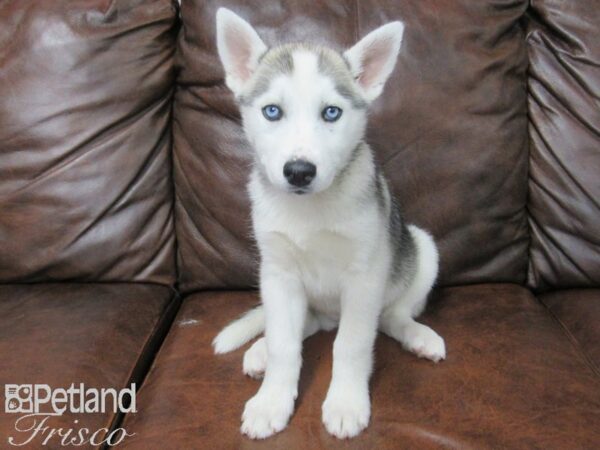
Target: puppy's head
304,107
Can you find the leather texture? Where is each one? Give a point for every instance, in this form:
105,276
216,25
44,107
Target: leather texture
450,132
85,101
564,110
511,380
61,333
578,311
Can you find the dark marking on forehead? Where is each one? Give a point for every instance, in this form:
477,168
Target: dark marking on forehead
350,94
348,65
280,61
277,61
336,67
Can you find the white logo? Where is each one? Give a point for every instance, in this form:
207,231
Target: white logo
38,403
41,398
18,398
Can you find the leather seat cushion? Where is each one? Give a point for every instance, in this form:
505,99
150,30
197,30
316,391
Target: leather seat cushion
512,379
100,335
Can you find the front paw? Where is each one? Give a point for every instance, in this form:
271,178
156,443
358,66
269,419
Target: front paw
267,413
346,412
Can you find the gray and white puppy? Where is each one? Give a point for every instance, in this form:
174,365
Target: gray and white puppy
334,249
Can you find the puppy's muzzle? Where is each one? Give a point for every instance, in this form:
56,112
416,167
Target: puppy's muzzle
299,173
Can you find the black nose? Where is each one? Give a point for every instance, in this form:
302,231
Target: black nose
299,172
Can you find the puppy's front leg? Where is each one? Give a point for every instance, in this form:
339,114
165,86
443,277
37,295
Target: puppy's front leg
285,308
347,409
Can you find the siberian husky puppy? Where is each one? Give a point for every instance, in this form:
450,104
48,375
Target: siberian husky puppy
334,249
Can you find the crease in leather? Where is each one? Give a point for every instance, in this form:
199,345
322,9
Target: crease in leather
147,355
574,341
78,115
135,177
564,210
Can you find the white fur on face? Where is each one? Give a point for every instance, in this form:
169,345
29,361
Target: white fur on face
302,133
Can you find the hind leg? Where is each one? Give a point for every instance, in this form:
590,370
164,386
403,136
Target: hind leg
397,322
414,336
397,319
255,358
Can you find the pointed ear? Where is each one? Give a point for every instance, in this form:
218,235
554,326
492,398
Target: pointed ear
239,48
373,58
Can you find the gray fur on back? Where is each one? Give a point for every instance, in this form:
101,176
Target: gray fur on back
403,245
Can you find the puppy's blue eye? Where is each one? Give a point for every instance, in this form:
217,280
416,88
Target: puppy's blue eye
272,112
331,114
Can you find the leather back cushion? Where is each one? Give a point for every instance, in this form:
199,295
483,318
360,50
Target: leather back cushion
450,131
564,106
85,100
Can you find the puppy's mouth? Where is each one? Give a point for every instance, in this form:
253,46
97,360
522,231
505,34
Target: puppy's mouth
300,191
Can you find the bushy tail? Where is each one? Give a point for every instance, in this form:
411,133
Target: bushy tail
240,331
427,269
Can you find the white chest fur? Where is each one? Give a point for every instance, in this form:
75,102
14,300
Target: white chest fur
323,240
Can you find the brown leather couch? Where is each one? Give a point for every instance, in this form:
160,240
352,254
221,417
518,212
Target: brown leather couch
125,241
